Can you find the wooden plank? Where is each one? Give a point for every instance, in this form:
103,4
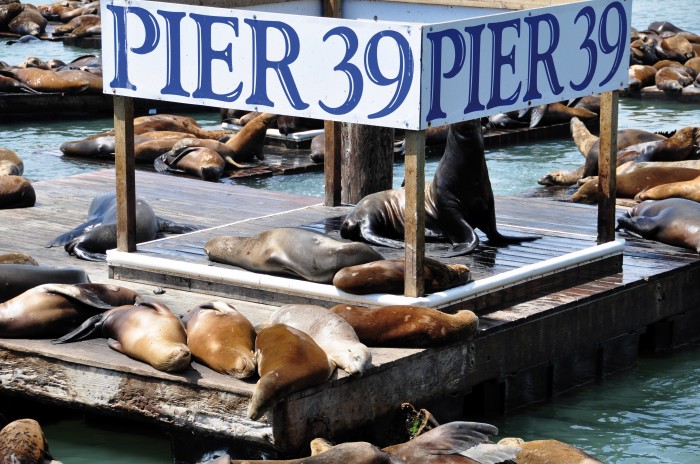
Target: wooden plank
414,233
124,162
607,162
332,163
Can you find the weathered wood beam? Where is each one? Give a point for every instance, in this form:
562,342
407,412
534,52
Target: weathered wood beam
124,164
607,163
414,234
333,145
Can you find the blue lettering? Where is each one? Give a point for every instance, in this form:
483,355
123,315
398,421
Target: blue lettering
545,57
150,41
353,73
500,60
207,55
588,45
404,76
473,103
173,85
459,47
261,64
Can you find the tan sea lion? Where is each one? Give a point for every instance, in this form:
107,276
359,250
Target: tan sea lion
557,113
79,21
457,201
232,158
28,22
675,221
150,145
221,338
16,276
677,48
10,163
344,453
200,162
640,76
694,64
93,81
387,276
8,13
290,251
90,8
288,361
53,309
548,451
149,332
630,183
672,79
16,192
331,332
248,143
17,258
682,145
23,442
46,80
187,125
318,148
11,85
407,326
689,189
33,62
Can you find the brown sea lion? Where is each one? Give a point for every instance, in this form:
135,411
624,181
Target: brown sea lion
183,125
33,62
90,8
200,162
150,145
318,148
640,76
93,81
689,189
407,326
672,79
548,451
248,143
149,332
344,453
557,113
10,163
288,361
221,338
16,277
682,145
694,64
50,310
387,276
630,183
675,221
677,48
8,13
28,22
11,85
331,332
79,21
290,251
16,192
292,124
23,442
45,80
457,201
232,157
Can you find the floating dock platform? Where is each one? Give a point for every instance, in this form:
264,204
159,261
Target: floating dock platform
533,343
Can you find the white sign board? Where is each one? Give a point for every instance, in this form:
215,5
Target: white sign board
392,74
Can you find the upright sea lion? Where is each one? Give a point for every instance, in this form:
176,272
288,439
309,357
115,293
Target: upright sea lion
50,310
288,361
16,192
407,326
248,143
23,442
548,451
675,221
16,277
10,163
92,239
149,332
290,251
345,453
331,332
221,338
458,200
201,162
689,189
387,276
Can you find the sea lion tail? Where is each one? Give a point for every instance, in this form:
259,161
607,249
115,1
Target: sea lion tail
87,329
498,239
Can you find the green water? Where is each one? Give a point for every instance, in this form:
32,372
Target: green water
647,415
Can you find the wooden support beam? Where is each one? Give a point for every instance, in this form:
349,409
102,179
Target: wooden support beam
332,162
332,8
607,162
414,235
124,164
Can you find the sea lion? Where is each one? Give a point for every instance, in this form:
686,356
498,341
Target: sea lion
454,443
548,451
92,80
677,48
176,124
28,22
682,145
458,200
331,332
345,453
16,277
45,80
92,239
675,221
407,326
23,442
292,124
689,189
90,8
147,146
672,79
630,183
288,361
11,85
290,251
33,62
557,113
8,13
16,192
221,338
10,163
640,76
201,162
232,157
387,276
50,310
79,21
318,148
149,332
248,143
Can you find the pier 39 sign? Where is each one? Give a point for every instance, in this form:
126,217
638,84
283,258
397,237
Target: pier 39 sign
392,74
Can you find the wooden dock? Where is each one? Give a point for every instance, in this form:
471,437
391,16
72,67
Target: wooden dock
530,346
689,94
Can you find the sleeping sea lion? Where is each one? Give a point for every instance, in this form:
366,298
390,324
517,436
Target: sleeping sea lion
28,22
16,192
290,251
23,442
45,80
689,189
358,452
201,162
149,332
221,338
407,326
10,163
640,76
17,258
92,239
548,451
672,79
331,332
458,200
16,277
53,309
288,361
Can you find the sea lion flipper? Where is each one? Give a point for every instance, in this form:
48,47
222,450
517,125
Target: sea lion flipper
498,239
537,114
78,293
116,346
82,253
166,225
643,226
87,329
69,236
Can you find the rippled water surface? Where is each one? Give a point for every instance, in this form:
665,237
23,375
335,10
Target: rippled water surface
648,415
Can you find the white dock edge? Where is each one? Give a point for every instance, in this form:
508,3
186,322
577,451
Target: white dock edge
436,300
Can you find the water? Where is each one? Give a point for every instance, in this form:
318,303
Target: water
650,414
